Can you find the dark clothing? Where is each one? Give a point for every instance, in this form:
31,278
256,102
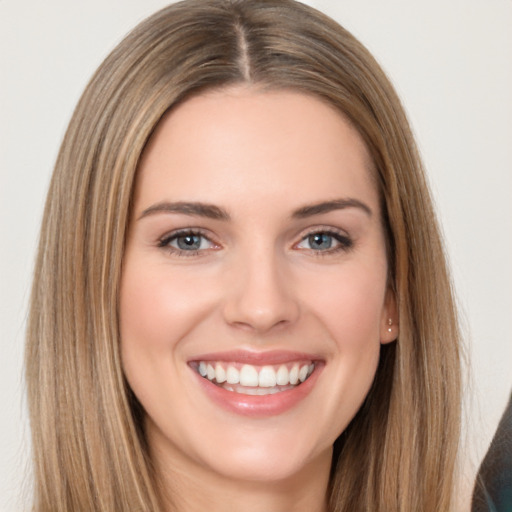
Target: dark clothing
493,487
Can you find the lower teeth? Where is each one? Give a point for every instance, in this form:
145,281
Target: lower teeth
244,390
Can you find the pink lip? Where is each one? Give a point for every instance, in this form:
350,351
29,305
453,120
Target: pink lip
258,406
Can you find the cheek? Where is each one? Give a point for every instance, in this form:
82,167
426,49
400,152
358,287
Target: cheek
156,311
149,329
158,307
351,312
144,304
350,302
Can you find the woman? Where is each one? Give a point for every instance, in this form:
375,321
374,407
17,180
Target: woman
239,193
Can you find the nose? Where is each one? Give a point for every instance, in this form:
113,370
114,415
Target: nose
261,296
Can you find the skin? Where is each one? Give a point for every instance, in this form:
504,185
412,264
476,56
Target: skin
257,284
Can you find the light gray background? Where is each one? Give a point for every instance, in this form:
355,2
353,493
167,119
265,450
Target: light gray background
451,61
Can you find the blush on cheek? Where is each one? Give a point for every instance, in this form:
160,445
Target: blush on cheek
353,313
150,305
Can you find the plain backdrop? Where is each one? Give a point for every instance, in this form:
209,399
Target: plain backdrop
451,62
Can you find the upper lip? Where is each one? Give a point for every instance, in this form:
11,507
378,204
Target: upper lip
269,357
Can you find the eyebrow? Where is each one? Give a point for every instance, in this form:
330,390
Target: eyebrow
329,206
212,211
209,211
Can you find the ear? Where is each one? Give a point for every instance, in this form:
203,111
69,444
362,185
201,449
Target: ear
389,324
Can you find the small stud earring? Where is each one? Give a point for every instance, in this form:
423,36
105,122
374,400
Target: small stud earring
390,323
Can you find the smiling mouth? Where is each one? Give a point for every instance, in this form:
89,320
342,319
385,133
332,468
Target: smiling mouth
249,379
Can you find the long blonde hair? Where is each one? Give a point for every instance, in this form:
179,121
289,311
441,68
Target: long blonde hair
398,453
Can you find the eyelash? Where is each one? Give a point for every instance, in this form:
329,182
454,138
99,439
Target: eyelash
345,243
165,241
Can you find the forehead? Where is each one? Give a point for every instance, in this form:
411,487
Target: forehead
273,145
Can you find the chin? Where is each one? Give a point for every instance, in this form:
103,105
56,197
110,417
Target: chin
259,464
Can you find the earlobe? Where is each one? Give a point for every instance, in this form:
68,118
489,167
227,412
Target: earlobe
390,332
389,322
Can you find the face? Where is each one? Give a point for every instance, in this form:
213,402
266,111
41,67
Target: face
254,291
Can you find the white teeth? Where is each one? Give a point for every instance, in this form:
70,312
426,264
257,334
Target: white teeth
303,373
220,373
267,377
232,375
255,391
282,376
248,375
294,374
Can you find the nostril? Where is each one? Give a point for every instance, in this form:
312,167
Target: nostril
262,322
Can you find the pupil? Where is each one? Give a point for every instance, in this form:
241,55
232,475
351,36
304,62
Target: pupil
320,241
188,242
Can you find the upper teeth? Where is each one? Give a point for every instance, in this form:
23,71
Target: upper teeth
249,375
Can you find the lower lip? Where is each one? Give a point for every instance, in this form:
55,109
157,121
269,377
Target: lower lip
259,406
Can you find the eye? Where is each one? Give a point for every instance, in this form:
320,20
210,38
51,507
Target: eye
183,242
325,242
